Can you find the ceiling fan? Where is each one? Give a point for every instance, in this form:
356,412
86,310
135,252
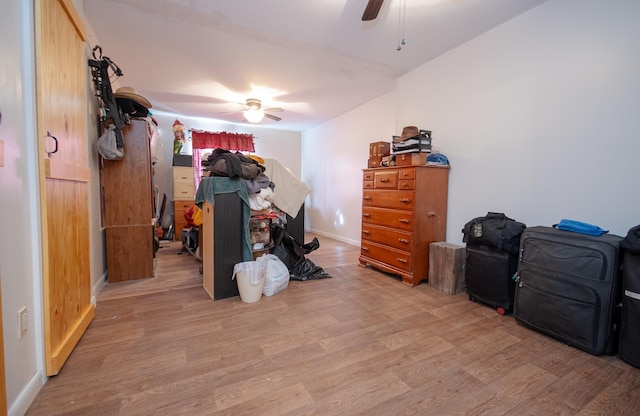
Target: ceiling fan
374,6
254,113
372,10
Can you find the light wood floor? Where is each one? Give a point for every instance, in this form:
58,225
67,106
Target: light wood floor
359,343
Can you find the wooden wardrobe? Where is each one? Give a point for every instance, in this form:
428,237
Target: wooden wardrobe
128,209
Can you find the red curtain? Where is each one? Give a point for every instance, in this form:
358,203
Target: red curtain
229,141
207,140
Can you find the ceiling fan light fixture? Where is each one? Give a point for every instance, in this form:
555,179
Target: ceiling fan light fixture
253,115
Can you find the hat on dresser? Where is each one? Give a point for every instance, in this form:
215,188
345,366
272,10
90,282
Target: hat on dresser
130,93
408,132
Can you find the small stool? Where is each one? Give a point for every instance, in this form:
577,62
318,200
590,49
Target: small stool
446,262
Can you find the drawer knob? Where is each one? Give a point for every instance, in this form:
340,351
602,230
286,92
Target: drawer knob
404,220
366,232
403,240
401,260
365,248
366,215
367,198
384,180
431,214
406,200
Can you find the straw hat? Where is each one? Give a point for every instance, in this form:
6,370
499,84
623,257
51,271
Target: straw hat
131,94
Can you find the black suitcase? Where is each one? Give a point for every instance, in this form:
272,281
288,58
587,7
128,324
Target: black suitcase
629,346
568,287
488,277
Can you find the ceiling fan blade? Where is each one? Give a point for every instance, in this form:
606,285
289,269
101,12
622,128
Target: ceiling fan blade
274,109
372,9
272,117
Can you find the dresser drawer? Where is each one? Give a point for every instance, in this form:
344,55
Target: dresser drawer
402,220
386,179
387,236
183,191
389,199
408,173
367,175
183,174
396,258
406,184
180,207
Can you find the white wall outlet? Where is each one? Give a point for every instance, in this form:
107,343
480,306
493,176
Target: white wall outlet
22,322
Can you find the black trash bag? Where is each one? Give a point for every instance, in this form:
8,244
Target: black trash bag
291,253
305,269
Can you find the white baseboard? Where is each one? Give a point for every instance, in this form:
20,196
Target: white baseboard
27,395
335,237
102,282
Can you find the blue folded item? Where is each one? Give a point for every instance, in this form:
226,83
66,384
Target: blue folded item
437,159
580,227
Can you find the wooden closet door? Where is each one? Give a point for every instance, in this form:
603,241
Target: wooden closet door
64,178
3,382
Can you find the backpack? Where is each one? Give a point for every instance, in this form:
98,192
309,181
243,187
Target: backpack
495,230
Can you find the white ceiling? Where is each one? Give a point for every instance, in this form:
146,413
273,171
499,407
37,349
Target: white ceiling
315,59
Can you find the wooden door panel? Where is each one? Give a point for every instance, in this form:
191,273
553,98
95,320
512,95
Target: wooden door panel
64,179
3,382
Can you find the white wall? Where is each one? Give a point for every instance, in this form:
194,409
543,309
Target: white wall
538,117
285,146
333,157
20,237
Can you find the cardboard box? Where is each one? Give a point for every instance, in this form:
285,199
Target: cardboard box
408,159
379,149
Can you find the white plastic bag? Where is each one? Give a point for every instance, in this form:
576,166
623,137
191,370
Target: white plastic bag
107,146
277,278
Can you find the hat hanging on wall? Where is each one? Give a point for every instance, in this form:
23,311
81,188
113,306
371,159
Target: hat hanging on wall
131,94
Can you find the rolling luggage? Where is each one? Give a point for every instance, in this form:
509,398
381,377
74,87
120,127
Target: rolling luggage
568,287
489,277
491,259
629,347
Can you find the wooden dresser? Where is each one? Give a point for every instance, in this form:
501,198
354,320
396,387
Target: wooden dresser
404,209
183,197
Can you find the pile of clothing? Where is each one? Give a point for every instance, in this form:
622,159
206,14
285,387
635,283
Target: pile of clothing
250,169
